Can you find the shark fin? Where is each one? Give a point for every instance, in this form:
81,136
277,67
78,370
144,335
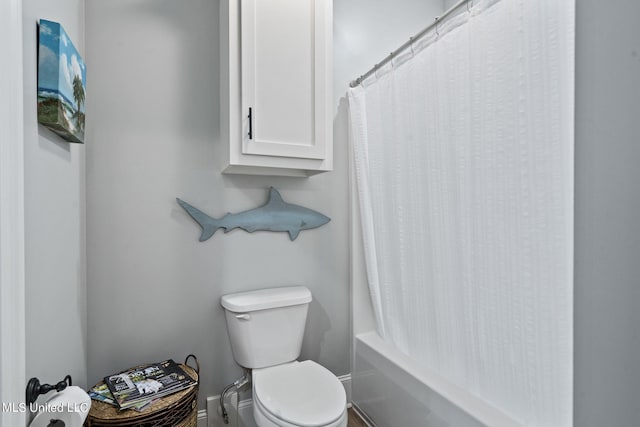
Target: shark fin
250,228
293,233
274,196
209,225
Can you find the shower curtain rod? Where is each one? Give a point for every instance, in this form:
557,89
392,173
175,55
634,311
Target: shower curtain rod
407,44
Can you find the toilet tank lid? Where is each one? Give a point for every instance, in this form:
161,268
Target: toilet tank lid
263,299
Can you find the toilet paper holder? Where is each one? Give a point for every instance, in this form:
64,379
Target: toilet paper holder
35,389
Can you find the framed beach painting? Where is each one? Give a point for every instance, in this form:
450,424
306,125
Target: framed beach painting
61,83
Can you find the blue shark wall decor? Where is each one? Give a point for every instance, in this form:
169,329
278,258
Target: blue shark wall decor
275,215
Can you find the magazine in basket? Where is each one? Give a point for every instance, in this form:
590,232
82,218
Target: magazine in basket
146,383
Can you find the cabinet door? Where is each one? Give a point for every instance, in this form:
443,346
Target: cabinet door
286,77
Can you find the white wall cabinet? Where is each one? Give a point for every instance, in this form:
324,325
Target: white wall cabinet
276,86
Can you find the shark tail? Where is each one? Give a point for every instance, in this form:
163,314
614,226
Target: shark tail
208,224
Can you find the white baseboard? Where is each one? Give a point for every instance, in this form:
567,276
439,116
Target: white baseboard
211,417
202,418
211,413
243,413
367,421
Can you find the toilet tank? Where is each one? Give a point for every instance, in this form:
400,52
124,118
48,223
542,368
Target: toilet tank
266,327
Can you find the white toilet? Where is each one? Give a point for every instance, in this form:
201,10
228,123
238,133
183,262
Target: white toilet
266,328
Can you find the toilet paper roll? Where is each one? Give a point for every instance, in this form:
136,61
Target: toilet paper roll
68,408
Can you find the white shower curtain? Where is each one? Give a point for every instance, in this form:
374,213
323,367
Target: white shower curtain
463,153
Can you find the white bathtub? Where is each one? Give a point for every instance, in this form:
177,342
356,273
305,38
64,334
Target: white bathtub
393,391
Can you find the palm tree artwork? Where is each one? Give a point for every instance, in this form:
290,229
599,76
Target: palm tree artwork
78,95
62,77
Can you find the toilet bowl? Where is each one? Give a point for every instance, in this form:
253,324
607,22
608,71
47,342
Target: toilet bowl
266,328
298,394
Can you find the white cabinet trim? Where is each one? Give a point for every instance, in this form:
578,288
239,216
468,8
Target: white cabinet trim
233,121
321,86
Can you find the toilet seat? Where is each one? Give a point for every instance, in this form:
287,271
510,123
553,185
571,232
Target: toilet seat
299,394
264,419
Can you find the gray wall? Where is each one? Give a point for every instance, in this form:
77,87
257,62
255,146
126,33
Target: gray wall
153,289
365,31
607,239
153,127
54,220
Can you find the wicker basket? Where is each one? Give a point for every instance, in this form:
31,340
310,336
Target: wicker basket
176,410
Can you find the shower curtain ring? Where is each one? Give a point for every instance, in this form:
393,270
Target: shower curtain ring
375,71
411,46
391,59
437,32
469,7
